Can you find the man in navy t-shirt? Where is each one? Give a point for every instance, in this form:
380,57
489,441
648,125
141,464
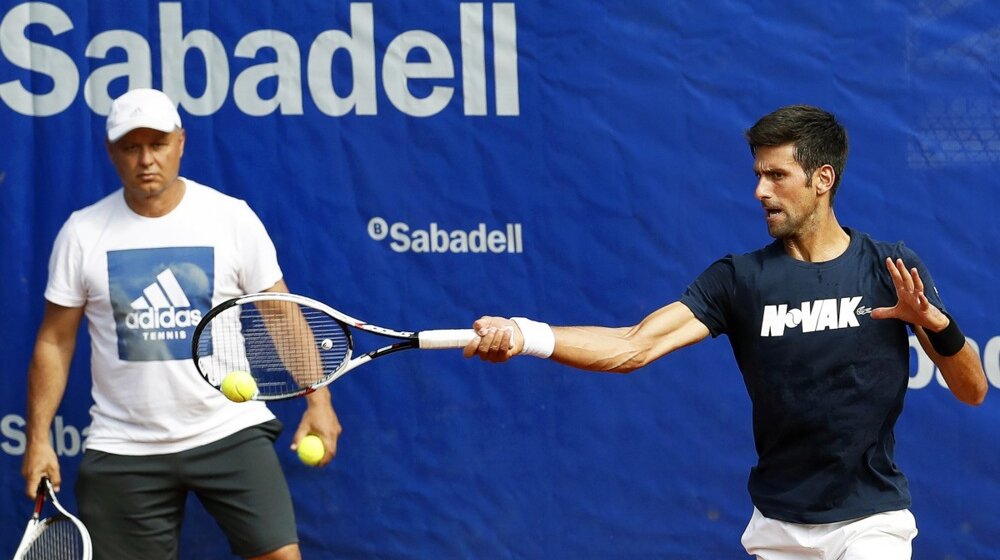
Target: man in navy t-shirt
818,324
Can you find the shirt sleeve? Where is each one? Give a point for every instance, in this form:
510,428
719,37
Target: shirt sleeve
65,285
710,296
259,268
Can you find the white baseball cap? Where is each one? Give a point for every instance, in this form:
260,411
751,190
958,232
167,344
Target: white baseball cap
141,108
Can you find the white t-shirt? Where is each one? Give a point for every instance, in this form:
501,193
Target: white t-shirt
145,283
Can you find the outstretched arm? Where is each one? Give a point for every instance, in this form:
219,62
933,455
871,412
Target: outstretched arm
622,350
962,370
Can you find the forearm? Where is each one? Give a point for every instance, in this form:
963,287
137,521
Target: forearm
626,349
47,378
963,371
597,349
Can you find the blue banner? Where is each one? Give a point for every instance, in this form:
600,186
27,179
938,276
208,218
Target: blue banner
419,164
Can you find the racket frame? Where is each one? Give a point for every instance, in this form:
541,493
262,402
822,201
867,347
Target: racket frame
431,339
37,525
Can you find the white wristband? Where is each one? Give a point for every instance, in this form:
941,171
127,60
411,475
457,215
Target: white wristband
539,340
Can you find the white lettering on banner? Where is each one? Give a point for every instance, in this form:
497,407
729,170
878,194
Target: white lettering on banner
991,360
43,59
137,67
358,44
926,370
67,439
12,430
437,240
174,47
360,47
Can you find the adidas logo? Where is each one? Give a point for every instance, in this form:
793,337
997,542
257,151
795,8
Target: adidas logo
162,306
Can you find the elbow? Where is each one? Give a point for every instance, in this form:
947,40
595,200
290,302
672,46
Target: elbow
973,394
977,395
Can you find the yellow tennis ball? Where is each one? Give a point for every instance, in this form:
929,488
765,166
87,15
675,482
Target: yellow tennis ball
239,386
311,450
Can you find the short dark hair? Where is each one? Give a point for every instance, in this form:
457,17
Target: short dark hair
816,135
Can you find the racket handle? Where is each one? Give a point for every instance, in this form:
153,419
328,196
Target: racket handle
445,338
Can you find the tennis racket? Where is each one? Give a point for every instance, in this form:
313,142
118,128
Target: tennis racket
292,345
60,537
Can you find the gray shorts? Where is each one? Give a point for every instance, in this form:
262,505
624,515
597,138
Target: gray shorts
134,505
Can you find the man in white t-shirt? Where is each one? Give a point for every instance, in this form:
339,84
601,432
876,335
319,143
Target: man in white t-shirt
144,264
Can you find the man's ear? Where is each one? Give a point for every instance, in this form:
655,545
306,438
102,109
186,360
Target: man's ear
823,179
183,137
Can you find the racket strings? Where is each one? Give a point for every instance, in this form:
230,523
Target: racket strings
285,346
57,538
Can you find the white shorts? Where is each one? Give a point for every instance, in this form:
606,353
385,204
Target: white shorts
883,536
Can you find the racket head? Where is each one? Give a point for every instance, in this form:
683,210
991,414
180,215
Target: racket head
289,344
55,538
59,537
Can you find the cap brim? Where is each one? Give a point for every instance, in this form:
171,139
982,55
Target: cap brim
115,134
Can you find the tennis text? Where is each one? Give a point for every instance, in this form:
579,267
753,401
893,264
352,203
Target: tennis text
434,76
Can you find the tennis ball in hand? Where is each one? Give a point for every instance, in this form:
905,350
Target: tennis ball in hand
311,450
239,386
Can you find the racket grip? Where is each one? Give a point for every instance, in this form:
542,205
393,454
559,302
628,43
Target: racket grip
445,338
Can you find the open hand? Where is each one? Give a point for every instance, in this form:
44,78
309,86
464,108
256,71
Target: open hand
912,305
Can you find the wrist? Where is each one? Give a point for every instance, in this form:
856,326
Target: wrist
320,397
941,324
947,341
537,338
39,441
35,435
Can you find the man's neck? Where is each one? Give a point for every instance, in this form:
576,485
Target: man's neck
159,204
823,242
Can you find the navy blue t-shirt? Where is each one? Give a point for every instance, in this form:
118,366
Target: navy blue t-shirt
826,380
